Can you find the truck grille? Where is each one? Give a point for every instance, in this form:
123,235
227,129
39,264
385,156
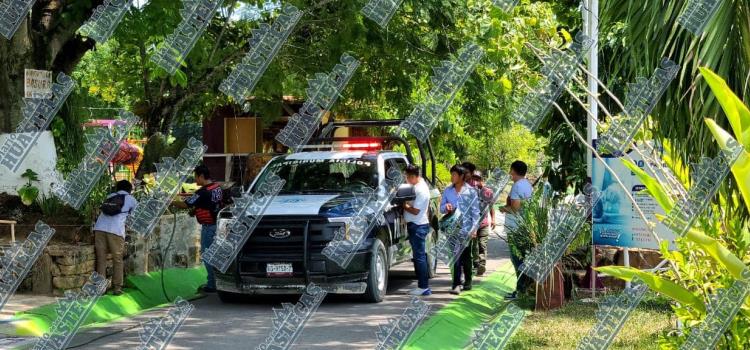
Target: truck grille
283,241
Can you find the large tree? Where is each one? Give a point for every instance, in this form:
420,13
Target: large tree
46,40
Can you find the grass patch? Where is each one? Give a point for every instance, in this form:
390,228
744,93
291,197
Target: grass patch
565,327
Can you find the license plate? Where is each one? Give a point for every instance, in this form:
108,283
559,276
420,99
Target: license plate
279,269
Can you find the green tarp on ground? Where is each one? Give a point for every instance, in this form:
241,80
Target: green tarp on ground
143,292
453,326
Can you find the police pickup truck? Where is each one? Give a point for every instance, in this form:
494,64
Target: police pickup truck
320,194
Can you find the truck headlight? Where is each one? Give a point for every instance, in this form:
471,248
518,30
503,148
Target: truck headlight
344,224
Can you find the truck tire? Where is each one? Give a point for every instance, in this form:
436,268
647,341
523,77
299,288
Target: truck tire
229,297
432,260
377,278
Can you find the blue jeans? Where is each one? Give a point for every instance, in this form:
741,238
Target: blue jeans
207,237
417,239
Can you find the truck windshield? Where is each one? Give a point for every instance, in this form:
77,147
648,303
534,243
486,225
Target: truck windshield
323,175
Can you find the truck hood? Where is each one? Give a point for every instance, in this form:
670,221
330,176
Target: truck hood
327,205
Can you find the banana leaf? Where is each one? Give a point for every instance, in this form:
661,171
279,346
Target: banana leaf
673,162
741,168
657,284
718,252
735,110
738,115
652,185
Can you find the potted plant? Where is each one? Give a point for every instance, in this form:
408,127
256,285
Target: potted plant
532,225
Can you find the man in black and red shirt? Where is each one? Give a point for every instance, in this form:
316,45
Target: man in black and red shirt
207,202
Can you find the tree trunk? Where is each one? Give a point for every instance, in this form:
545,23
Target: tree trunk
44,41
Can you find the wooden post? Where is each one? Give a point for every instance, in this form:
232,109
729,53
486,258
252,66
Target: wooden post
12,224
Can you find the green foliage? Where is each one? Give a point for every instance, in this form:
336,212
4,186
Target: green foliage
506,146
393,77
738,115
654,188
29,192
636,34
30,175
657,284
51,207
532,226
564,327
715,252
155,148
68,133
90,209
718,252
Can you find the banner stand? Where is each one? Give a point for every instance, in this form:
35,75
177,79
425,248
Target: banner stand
626,262
592,281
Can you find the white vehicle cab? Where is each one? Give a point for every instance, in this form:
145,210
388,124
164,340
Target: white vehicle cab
324,187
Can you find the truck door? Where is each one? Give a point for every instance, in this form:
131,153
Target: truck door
401,250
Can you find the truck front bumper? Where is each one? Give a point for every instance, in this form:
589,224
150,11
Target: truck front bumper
252,285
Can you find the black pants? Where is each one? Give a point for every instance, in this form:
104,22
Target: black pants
463,263
522,281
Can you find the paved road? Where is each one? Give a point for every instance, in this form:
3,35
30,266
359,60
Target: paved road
341,322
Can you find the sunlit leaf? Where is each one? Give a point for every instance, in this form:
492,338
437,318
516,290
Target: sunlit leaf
657,284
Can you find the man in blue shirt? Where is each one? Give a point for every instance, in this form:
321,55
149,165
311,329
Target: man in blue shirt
461,199
521,190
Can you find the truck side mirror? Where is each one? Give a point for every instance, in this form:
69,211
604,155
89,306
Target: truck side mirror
236,192
404,194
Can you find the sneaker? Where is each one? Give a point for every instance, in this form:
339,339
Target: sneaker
116,291
456,290
511,296
420,291
466,287
481,270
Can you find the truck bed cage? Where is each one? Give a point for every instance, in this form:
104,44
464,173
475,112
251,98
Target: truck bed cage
425,148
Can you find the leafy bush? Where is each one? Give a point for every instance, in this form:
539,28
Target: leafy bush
50,206
712,255
532,225
90,209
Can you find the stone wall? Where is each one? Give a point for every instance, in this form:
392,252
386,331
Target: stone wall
145,255
67,266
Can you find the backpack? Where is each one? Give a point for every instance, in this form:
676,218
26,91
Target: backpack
113,205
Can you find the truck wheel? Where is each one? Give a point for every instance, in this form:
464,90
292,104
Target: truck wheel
229,297
431,258
377,278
